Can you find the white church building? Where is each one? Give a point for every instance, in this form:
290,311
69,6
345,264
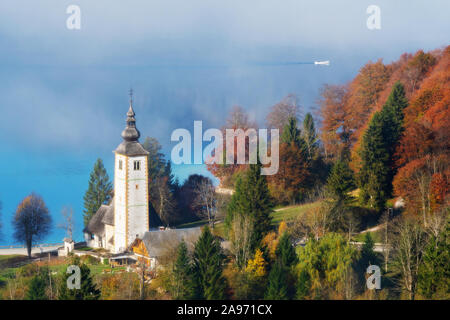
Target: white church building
116,226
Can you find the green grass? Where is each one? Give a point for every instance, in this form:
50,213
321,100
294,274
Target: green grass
7,257
290,213
377,236
192,224
285,214
85,249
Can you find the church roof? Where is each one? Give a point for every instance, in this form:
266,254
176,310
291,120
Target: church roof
157,242
131,148
95,225
130,145
108,217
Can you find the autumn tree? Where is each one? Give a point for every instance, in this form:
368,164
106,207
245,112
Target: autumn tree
68,221
335,131
162,185
281,112
206,200
291,180
32,221
237,120
99,191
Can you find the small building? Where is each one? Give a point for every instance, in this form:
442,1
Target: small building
99,233
154,245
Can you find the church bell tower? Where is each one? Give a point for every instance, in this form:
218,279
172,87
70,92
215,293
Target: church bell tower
131,210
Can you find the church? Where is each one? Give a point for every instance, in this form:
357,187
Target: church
125,221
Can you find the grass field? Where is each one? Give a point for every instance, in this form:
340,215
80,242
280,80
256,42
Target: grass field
291,212
281,214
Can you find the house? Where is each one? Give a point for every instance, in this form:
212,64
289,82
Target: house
157,244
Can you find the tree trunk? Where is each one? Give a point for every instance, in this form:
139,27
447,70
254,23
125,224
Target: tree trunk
28,243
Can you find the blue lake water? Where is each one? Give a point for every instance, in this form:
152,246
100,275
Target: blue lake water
61,178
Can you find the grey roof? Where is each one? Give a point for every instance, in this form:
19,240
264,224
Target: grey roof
131,148
157,242
95,225
108,217
130,145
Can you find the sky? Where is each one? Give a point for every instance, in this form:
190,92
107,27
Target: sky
64,93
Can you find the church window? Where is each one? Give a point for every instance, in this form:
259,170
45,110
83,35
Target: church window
120,164
137,165
137,186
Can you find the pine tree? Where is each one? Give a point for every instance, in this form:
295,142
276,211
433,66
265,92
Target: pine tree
368,256
252,198
434,273
303,284
285,251
340,181
87,291
378,147
156,161
277,288
37,288
309,136
292,134
183,285
208,267
99,191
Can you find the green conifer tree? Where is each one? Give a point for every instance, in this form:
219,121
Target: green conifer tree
88,290
310,136
292,134
99,191
252,198
285,251
378,147
183,285
340,181
37,288
434,272
277,287
209,282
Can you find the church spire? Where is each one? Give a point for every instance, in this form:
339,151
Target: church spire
131,133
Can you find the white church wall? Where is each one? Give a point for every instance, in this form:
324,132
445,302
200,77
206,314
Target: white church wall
137,198
120,176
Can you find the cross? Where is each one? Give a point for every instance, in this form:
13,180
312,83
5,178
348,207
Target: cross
131,94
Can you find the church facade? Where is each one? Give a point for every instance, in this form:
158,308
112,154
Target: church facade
123,227
115,226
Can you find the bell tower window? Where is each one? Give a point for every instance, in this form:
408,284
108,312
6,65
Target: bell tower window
120,164
137,165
